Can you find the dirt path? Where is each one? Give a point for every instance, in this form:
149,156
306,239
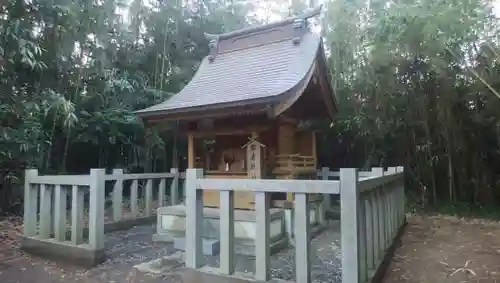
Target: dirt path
445,249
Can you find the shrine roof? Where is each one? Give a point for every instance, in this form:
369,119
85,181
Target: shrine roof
255,67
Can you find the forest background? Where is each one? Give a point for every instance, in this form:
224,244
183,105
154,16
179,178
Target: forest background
416,82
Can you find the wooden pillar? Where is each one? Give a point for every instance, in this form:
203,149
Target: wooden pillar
191,152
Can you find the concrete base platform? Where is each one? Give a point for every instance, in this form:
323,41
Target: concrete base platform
81,255
171,227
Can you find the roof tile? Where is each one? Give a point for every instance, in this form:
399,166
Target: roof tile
252,72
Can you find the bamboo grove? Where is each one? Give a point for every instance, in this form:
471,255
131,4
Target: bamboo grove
416,83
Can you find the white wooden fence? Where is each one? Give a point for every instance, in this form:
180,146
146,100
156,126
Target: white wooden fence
372,210
52,227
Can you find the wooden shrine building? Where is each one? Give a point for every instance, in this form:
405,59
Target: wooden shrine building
243,108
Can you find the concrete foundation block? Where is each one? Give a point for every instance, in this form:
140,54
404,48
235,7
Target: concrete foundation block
172,224
81,255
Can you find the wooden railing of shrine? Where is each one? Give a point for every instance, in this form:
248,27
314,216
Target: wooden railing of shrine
372,213
70,213
290,163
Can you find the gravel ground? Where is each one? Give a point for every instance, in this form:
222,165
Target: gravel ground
128,248
325,259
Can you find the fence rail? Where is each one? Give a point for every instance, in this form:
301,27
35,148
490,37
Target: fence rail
372,205
54,209
195,184
372,212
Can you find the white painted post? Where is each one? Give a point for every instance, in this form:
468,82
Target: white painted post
30,203
302,239
390,207
378,206
45,211
349,207
117,194
262,240
326,202
148,197
77,198
385,237
134,196
174,187
60,205
394,214
161,192
376,228
370,235
401,198
184,194
226,232
390,202
362,240
96,208
194,218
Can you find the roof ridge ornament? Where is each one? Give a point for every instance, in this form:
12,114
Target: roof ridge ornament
309,13
214,49
299,28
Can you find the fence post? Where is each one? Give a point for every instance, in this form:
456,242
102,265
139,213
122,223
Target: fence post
194,218
96,208
349,204
326,202
117,194
45,225
401,198
134,198
161,192
302,239
262,240
60,213
30,203
227,258
174,187
77,198
148,197
379,218
390,190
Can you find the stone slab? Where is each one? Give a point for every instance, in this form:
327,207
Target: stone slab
80,255
164,265
241,247
171,226
174,224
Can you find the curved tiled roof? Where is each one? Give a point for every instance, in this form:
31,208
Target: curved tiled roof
247,67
